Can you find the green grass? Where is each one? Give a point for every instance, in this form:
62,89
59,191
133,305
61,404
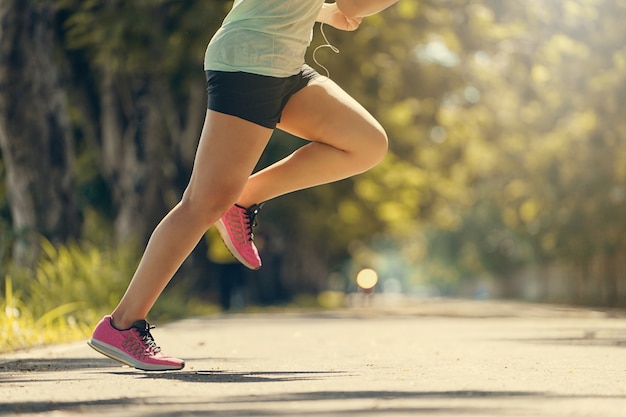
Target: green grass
21,328
72,287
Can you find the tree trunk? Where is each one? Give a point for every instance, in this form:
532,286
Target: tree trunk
134,151
34,131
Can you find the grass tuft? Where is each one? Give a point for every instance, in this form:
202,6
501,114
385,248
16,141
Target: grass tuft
71,288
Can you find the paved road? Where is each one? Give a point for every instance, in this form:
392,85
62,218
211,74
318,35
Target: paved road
432,358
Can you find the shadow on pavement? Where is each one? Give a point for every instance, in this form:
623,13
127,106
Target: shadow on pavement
322,403
76,406
235,377
56,364
357,412
376,403
201,408
589,337
386,395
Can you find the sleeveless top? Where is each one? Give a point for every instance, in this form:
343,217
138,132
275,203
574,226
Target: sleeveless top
265,37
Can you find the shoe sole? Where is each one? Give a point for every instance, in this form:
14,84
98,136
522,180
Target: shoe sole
231,247
122,357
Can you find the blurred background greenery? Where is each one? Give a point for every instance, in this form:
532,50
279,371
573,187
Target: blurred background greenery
506,176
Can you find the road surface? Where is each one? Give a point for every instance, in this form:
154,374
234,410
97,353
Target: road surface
429,358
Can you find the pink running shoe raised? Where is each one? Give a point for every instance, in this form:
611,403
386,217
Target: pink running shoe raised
235,227
134,347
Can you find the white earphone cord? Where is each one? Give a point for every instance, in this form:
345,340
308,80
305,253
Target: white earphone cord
326,45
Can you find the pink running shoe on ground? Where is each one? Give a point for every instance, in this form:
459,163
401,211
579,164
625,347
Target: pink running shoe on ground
235,227
135,347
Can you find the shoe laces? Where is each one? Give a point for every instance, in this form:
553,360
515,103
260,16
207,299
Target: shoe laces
250,222
143,328
251,213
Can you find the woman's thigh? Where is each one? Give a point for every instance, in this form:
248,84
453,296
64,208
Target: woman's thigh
323,112
228,151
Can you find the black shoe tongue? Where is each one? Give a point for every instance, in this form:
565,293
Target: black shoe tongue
141,325
256,208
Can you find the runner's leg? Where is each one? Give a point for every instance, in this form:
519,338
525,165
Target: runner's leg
229,149
345,140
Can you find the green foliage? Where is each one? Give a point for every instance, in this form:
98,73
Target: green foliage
20,328
507,139
156,36
73,286
507,147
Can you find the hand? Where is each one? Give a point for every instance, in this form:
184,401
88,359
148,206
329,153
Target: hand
340,21
331,15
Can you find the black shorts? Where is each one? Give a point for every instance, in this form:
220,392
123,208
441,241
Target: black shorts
257,98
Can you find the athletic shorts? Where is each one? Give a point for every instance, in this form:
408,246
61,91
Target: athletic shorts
257,98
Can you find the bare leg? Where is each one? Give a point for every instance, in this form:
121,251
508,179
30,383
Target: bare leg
228,150
346,140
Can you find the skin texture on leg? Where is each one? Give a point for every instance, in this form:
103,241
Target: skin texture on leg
229,149
345,140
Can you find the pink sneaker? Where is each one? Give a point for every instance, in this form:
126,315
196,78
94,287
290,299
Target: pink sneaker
235,227
134,347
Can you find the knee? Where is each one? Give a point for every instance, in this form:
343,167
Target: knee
374,147
205,209
381,145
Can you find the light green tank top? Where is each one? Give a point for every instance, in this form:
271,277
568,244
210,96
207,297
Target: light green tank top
266,37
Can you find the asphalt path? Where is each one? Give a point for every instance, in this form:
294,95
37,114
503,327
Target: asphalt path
424,358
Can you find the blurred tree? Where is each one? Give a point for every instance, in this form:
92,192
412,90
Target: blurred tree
555,89
506,135
506,153
144,117
34,131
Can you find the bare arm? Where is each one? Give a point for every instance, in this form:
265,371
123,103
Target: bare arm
331,15
362,8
